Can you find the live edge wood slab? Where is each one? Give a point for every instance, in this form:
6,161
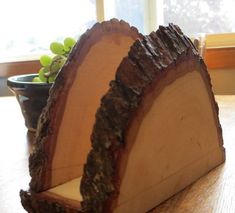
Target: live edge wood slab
130,121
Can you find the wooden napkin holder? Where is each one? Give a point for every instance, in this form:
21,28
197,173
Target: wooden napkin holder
130,121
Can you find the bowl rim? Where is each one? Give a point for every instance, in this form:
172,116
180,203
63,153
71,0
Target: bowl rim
12,80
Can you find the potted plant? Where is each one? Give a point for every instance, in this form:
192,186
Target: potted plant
32,90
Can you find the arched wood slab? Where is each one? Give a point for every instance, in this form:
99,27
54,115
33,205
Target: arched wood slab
63,136
157,129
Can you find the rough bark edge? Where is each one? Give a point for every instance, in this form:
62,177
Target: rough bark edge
52,114
148,62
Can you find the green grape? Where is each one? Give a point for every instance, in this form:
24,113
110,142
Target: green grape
45,60
41,74
52,78
69,43
36,80
51,66
57,48
57,62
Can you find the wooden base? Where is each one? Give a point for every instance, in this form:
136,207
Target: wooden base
69,190
48,202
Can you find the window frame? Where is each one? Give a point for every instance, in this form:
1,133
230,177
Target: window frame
218,53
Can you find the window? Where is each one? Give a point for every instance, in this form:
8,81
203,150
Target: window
201,16
128,10
28,27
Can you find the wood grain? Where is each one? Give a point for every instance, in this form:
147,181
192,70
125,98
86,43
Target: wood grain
215,192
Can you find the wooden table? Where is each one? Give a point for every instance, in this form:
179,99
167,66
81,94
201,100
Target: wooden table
214,193
14,151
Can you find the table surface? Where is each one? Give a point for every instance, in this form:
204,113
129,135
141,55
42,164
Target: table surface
213,193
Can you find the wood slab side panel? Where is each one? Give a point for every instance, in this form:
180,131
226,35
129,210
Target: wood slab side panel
40,162
148,64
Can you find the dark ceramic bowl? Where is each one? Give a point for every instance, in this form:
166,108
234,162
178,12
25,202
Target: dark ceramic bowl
32,97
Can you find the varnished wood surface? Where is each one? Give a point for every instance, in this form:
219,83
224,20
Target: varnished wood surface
220,58
19,67
214,193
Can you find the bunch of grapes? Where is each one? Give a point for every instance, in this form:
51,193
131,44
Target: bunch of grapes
52,65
